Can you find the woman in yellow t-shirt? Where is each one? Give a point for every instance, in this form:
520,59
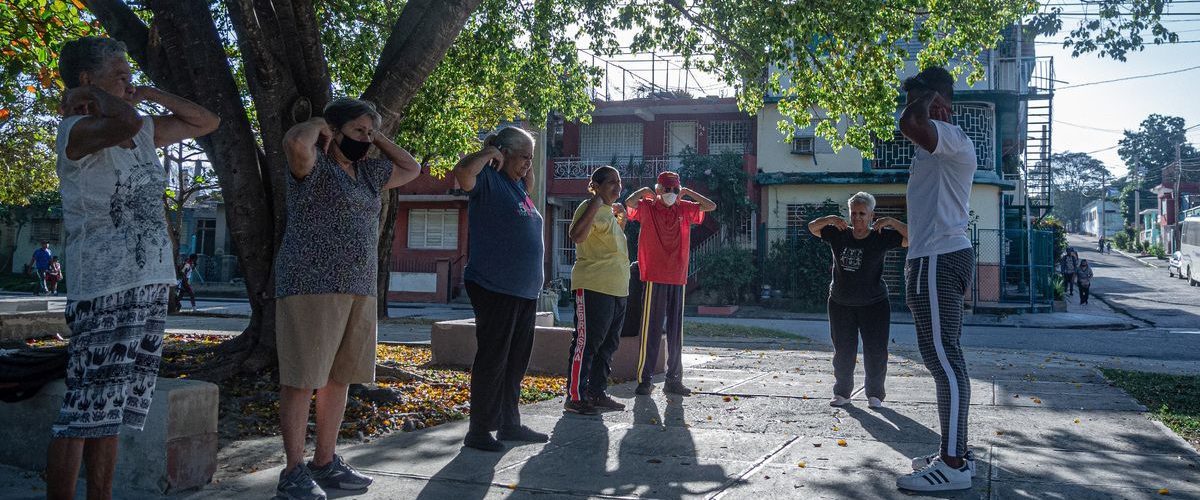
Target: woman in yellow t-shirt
600,280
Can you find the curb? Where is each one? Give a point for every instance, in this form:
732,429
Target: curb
1136,259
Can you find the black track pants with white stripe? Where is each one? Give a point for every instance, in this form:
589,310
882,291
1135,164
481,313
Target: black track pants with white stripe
936,286
598,321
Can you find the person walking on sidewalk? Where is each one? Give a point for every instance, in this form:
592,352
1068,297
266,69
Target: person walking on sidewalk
1067,266
325,296
600,280
185,280
939,267
54,275
504,279
663,251
1084,276
858,298
39,263
118,251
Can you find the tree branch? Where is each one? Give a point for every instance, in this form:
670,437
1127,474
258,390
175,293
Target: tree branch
419,40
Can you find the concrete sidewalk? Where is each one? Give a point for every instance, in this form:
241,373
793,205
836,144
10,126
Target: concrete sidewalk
1042,427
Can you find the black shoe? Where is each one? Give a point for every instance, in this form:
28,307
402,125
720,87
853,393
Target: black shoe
606,402
580,407
523,434
644,389
677,388
482,441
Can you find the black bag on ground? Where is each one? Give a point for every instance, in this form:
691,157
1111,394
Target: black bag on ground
24,371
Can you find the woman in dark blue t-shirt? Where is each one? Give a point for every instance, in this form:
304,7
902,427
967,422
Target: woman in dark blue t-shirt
503,278
858,297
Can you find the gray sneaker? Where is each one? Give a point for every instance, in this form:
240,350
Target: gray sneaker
339,475
298,485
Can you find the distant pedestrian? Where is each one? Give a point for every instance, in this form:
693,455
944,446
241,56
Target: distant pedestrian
1068,266
54,275
939,268
504,279
858,298
600,281
185,279
663,251
39,263
1084,277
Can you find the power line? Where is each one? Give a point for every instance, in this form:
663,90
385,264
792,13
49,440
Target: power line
1090,128
1128,78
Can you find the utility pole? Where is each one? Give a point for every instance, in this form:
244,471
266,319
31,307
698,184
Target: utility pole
1175,233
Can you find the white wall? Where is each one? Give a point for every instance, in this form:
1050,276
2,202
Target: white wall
775,150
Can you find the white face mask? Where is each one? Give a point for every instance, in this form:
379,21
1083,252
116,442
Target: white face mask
669,198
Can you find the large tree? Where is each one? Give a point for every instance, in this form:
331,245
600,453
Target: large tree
264,65
1077,179
1150,148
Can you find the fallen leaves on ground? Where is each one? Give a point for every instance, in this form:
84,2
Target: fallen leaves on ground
250,403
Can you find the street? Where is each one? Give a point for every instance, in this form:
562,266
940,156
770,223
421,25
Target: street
1142,292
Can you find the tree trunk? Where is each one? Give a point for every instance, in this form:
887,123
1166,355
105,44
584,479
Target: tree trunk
288,79
387,233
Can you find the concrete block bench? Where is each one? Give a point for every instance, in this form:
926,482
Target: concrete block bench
177,450
25,317
453,344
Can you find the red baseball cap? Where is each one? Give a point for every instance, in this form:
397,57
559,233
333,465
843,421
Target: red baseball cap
668,179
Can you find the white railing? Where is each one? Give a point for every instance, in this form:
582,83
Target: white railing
1024,75
574,167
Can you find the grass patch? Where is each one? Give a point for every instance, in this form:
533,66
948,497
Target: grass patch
693,328
1172,399
16,282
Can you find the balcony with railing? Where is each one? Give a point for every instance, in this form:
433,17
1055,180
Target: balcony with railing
579,168
1030,75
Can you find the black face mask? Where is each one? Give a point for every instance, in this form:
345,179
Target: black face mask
354,150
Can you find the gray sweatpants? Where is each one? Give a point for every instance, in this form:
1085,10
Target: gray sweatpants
936,286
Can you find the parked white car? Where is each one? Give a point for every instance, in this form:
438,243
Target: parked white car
1174,265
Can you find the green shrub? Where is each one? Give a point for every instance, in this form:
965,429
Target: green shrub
1121,240
730,271
1158,251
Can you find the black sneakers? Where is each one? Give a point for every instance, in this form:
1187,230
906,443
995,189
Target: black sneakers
644,389
676,388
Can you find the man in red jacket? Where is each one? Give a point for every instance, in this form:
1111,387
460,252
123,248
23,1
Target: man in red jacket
663,251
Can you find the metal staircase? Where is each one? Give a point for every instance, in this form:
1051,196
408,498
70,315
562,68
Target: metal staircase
1038,101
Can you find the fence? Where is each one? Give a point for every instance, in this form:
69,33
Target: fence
795,266
1004,271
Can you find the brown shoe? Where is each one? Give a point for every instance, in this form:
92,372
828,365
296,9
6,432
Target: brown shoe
604,402
580,407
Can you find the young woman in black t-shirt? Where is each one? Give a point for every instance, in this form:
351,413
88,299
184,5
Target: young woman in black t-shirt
858,297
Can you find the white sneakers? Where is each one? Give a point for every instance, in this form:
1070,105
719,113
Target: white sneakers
919,463
937,476
872,402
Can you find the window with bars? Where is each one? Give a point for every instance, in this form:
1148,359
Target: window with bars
433,229
977,120
46,230
728,136
603,141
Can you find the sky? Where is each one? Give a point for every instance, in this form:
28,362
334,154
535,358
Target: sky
1113,107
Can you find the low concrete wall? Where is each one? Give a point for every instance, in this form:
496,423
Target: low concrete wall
453,344
177,449
28,317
